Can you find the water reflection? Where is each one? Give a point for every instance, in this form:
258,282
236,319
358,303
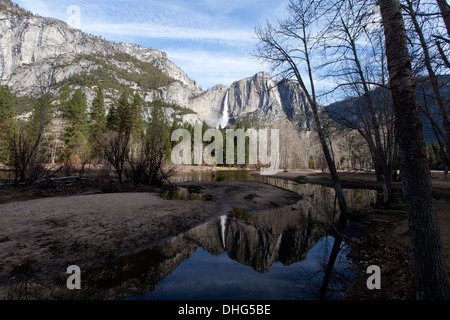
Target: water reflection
209,176
271,254
356,198
259,241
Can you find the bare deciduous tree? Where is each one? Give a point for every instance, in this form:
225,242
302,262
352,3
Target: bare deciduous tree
354,57
429,266
26,155
116,147
136,152
289,48
445,12
411,9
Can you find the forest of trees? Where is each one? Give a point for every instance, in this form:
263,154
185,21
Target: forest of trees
115,135
361,138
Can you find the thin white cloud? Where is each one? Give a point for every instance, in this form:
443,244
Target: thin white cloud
167,32
209,39
230,6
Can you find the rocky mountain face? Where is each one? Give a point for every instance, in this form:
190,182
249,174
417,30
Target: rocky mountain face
31,46
28,41
262,96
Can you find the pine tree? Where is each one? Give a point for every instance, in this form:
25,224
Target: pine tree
98,113
158,124
43,112
136,120
157,111
124,124
6,116
118,118
97,124
6,104
76,150
76,111
63,99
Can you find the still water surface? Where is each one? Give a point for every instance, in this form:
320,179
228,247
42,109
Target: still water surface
273,254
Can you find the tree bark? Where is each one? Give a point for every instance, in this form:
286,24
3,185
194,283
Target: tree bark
430,273
445,12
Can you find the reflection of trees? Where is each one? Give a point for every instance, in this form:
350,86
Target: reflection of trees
329,280
256,239
333,281
125,277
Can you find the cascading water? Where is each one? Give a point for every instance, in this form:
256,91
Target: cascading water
223,220
223,121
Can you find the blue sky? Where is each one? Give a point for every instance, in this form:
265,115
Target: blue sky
210,40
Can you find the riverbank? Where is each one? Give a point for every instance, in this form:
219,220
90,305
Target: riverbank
46,228
358,180
42,237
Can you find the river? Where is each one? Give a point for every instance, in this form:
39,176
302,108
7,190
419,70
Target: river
276,254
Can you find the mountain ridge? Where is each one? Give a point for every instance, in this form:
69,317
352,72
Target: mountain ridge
349,108
30,45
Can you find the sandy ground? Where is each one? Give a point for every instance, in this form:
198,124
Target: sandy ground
41,234
43,237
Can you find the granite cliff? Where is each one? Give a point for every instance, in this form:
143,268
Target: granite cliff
31,46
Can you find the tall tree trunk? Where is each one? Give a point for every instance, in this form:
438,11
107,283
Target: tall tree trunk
445,12
429,266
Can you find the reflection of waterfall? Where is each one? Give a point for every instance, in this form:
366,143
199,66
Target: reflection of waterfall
223,220
258,239
223,122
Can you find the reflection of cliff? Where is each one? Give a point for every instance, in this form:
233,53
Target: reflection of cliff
283,235
256,239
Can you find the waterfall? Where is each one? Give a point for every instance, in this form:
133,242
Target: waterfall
225,117
223,220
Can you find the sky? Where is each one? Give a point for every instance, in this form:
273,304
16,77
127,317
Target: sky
210,40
